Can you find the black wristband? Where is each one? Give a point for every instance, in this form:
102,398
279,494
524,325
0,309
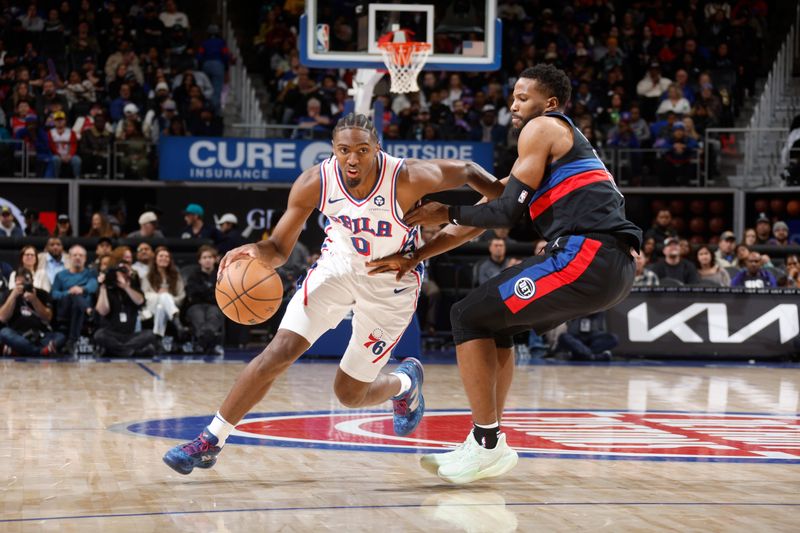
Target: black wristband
453,214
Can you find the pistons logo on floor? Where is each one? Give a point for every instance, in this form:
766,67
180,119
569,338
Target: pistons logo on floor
565,434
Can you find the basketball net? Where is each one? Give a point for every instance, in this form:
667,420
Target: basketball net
404,61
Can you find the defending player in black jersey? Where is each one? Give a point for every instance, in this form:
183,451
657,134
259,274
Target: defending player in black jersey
586,267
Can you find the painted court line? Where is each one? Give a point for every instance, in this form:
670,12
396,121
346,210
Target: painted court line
400,506
149,370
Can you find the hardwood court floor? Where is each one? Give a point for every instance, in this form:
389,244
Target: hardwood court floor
68,462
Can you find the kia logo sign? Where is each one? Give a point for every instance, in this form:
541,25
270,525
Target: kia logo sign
639,329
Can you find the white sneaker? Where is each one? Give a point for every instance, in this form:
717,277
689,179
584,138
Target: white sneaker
476,462
432,461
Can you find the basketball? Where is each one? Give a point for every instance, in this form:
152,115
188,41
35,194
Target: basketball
777,205
697,207
249,291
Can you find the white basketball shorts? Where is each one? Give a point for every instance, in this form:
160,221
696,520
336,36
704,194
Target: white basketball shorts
382,309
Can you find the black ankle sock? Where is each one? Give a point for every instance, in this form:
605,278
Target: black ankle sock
486,437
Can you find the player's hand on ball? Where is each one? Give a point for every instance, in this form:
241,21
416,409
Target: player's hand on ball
247,250
429,214
396,262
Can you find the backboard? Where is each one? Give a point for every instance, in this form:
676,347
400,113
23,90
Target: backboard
465,34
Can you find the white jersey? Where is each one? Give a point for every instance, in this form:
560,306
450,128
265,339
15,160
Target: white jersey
370,228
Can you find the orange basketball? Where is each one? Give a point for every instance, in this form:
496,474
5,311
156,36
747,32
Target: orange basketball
249,292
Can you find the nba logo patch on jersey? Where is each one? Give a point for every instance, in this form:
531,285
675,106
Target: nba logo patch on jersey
524,288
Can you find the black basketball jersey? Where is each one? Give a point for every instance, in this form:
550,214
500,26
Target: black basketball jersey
578,195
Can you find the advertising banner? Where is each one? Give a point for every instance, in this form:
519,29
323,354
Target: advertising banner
282,160
707,322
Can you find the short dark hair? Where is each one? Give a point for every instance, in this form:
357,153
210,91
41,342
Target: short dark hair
554,81
358,121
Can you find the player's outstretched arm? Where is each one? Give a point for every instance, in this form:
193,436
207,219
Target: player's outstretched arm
435,175
535,145
274,251
451,236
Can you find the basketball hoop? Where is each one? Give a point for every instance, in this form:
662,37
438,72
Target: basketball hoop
404,62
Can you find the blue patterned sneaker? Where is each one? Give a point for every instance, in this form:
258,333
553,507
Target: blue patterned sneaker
409,407
201,453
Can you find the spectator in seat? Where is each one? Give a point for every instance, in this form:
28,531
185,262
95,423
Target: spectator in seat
100,227
148,227
8,226
763,229
33,228
651,87
230,237
29,260
116,109
675,102
587,338
171,16
195,228
754,276
118,301
53,260
144,257
661,229
495,263
749,237
209,125
102,249
49,101
203,314
488,130
680,156
214,57
161,123
780,232
95,146
725,255
672,266
23,111
793,271
644,277
63,226
64,146
73,290
134,150
38,143
313,120
742,252
27,313
164,293
131,115
708,269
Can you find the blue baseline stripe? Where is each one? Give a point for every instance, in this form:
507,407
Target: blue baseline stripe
550,265
149,370
400,506
566,171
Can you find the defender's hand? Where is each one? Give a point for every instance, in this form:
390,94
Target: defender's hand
429,214
396,262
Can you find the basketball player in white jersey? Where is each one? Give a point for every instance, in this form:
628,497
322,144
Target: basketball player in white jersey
363,192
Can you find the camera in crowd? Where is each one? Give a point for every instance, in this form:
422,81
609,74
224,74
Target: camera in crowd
27,280
111,275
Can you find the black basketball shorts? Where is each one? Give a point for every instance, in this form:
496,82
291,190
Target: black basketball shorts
577,275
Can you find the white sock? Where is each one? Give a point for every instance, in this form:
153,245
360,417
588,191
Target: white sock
405,383
220,428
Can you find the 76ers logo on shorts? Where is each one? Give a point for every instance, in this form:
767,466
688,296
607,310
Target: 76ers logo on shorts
558,433
524,288
375,342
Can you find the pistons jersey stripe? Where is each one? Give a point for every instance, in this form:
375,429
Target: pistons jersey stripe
546,200
558,271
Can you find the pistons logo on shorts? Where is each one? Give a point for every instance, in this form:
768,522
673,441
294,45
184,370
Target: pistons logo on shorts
524,288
